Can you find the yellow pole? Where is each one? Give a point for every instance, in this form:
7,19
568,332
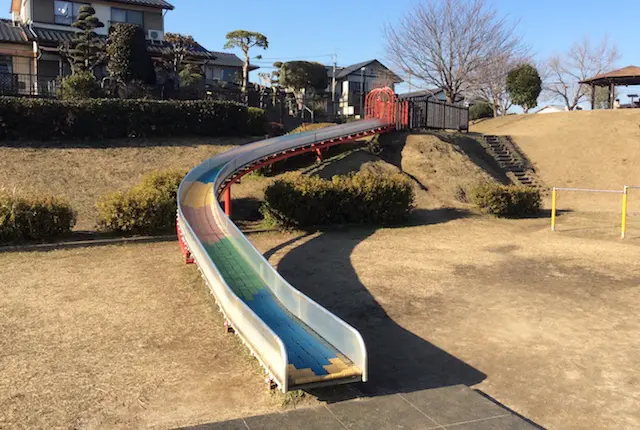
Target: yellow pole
554,196
624,211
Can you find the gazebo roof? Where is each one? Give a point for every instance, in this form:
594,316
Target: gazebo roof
629,75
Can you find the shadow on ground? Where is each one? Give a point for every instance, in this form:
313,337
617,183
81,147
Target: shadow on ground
399,361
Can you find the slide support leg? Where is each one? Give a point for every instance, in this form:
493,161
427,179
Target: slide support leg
227,201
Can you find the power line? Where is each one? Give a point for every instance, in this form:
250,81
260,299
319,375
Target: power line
298,57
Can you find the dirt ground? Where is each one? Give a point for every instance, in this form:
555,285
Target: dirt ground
545,323
118,337
127,336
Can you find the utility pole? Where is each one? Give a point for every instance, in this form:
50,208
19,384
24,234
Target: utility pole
333,84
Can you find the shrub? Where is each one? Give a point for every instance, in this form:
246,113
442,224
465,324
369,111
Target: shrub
33,217
507,200
480,110
81,85
257,122
148,207
129,59
363,198
113,118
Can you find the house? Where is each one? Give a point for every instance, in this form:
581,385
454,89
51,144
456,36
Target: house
348,95
29,43
552,109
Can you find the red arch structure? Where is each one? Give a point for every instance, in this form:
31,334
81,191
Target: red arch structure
382,103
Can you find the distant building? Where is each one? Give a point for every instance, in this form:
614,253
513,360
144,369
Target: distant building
349,84
30,60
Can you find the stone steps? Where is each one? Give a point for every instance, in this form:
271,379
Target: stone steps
510,162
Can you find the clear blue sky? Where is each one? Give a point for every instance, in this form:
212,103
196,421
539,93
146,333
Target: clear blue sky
299,29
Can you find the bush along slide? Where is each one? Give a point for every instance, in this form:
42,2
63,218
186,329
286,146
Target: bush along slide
299,343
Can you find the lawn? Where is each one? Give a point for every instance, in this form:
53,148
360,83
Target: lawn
118,336
81,173
128,336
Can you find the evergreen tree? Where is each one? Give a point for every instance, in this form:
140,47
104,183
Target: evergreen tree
524,86
87,50
245,40
129,59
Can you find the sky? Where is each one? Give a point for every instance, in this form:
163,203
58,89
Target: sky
353,29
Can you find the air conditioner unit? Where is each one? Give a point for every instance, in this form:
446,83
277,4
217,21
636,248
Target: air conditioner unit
155,36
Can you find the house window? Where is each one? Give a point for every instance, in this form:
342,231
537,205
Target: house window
230,75
127,16
6,64
66,12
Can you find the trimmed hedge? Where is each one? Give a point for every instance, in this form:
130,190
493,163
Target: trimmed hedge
148,207
509,201
116,118
33,217
363,198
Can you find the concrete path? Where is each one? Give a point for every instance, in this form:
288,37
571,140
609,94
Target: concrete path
456,408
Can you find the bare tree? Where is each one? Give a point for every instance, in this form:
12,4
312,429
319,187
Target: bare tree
583,60
384,78
489,82
444,43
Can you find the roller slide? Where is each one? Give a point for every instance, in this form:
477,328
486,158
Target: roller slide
299,343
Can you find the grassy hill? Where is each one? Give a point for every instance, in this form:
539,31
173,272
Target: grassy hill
582,149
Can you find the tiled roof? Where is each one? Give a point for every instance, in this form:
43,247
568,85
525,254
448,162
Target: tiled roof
353,68
229,60
11,33
52,36
199,51
151,3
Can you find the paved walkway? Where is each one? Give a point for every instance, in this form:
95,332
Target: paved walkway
456,408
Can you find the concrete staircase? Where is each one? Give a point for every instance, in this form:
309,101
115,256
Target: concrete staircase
515,164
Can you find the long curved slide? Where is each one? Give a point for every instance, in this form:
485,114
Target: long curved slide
298,342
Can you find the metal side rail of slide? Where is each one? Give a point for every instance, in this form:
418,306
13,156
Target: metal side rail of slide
299,343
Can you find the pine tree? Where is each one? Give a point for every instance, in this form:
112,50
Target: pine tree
87,50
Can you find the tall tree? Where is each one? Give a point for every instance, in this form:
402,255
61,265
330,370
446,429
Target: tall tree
178,49
444,43
245,40
303,75
489,82
583,60
129,59
86,50
524,85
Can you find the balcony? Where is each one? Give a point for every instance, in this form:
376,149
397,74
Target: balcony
21,84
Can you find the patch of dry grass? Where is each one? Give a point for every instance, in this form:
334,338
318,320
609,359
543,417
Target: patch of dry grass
118,336
81,174
582,149
549,319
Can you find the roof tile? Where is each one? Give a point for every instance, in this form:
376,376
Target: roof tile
11,33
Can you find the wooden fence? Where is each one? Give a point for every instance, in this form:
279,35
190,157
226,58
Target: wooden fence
429,113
